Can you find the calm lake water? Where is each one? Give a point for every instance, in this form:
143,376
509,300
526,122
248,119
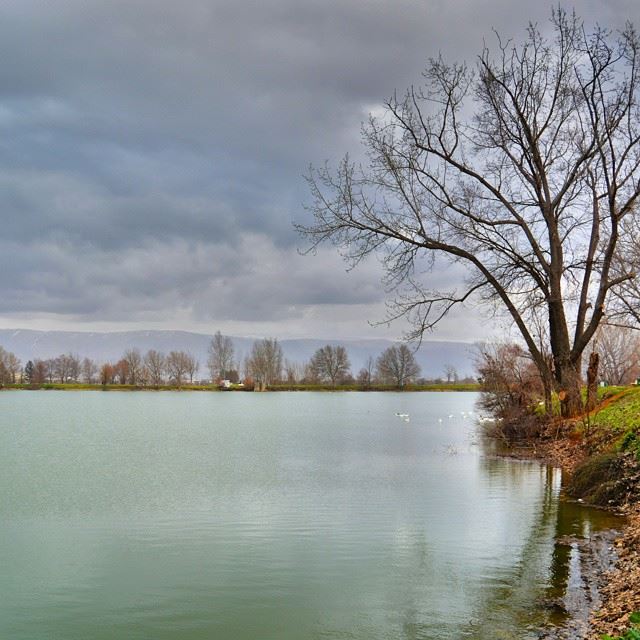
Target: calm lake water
270,516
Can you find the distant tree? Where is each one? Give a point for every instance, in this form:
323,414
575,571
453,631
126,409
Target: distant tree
50,367
73,365
177,366
60,368
293,372
221,354
121,371
66,367
9,367
330,364
264,364
107,374
309,374
619,349
397,365
233,376
155,364
12,364
134,365
29,369
192,365
450,373
88,370
40,372
4,374
365,375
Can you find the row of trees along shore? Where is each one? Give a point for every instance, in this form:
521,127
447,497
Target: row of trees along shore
264,366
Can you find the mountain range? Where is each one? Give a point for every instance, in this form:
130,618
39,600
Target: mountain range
432,356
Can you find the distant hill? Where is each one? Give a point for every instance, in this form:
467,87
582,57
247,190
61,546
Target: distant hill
109,346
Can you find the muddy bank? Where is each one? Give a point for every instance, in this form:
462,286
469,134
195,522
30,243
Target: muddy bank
620,594
604,584
590,561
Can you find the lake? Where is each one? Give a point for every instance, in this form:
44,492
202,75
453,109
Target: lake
270,516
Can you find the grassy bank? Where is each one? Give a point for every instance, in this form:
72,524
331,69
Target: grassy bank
454,386
79,386
619,417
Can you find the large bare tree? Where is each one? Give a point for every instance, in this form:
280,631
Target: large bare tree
522,168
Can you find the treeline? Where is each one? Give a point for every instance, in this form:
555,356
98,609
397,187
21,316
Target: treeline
264,366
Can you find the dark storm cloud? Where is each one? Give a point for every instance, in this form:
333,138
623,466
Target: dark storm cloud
151,153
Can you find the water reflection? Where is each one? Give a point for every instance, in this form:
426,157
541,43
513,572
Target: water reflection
271,516
546,583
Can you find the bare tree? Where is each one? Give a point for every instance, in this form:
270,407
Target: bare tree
66,367
450,373
522,170
73,366
60,368
221,354
40,372
12,364
107,374
330,364
619,349
293,371
134,365
177,367
264,364
624,309
50,366
191,365
397,365
9,367
89,370
121,371
511,383
155,364
365,375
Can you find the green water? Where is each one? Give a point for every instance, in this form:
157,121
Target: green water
269,516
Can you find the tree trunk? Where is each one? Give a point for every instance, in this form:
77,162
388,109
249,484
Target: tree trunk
545,370
568,378
547,385
592,381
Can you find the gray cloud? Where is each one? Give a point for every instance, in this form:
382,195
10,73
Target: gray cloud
151,153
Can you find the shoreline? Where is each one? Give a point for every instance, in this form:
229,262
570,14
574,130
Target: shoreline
609,560
59,386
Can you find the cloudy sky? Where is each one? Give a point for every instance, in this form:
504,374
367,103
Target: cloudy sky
152,154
